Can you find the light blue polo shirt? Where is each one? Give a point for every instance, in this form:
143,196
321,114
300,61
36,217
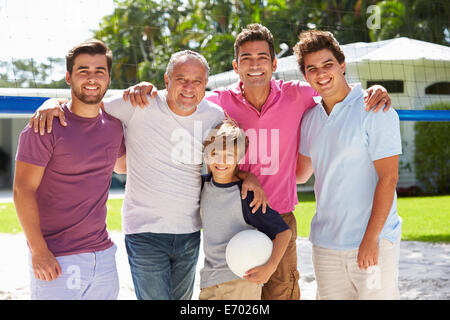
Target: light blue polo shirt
342,148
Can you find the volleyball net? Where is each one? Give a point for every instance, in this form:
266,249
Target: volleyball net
25,105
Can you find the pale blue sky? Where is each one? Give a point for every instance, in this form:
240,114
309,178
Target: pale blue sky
42,28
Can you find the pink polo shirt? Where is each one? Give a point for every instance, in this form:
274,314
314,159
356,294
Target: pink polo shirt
274,135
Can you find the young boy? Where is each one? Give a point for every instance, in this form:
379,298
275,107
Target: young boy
354,155
224,214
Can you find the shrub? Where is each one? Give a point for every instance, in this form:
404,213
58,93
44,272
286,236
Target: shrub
432,156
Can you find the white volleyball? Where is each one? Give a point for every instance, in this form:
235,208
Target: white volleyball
246,250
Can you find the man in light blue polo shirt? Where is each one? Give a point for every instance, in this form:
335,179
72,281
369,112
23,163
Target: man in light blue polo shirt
354,156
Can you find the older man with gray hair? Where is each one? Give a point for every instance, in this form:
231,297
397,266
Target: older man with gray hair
160,212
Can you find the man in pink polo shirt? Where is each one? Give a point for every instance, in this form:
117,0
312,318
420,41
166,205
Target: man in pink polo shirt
270,111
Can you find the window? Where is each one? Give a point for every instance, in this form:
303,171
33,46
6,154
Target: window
392,86
438,88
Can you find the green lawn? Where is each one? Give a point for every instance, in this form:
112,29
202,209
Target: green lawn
10,224
424,218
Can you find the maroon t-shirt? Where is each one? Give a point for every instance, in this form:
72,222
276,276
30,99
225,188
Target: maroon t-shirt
79,160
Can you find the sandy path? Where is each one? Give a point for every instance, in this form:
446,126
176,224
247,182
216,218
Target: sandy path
424,269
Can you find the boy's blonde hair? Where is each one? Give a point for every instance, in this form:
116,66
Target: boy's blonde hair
225,135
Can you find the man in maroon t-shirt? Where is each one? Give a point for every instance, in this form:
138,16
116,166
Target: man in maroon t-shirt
61,187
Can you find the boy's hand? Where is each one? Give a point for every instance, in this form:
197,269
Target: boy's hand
260,274
377,97
44,115
138,94
368,253
251,183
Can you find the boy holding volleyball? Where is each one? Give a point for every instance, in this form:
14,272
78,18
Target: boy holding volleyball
224,213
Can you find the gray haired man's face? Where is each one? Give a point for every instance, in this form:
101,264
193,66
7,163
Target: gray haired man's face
186,84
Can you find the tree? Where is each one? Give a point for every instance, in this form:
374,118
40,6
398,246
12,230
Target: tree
418,19
144,33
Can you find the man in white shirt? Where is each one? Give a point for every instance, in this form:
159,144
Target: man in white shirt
354,156
160,211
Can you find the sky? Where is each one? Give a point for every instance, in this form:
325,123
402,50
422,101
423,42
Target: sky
47,28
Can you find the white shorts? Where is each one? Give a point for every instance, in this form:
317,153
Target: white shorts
85,276
339,277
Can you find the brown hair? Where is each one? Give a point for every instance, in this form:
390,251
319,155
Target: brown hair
91,47
315,40
227,131
254,32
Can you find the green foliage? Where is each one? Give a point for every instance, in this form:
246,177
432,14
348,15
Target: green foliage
393,14
432,156
419,19
144,33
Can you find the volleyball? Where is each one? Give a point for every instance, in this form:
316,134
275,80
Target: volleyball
246,250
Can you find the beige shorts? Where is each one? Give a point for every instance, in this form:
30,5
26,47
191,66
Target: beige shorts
283,284
238,289
339,277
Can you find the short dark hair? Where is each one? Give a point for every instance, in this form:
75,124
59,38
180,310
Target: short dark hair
254,32
313,41
91,47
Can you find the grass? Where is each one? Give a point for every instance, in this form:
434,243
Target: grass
10,224
8,219
424,218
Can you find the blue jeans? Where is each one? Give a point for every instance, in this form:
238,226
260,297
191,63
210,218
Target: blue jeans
163,265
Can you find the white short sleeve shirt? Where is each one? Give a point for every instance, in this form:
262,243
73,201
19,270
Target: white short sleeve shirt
164,163
342,147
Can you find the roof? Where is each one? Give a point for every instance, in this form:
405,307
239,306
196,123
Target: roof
396,49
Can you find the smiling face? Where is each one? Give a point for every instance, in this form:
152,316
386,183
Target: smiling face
186,85
223,164
89,79
254,64
324,73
